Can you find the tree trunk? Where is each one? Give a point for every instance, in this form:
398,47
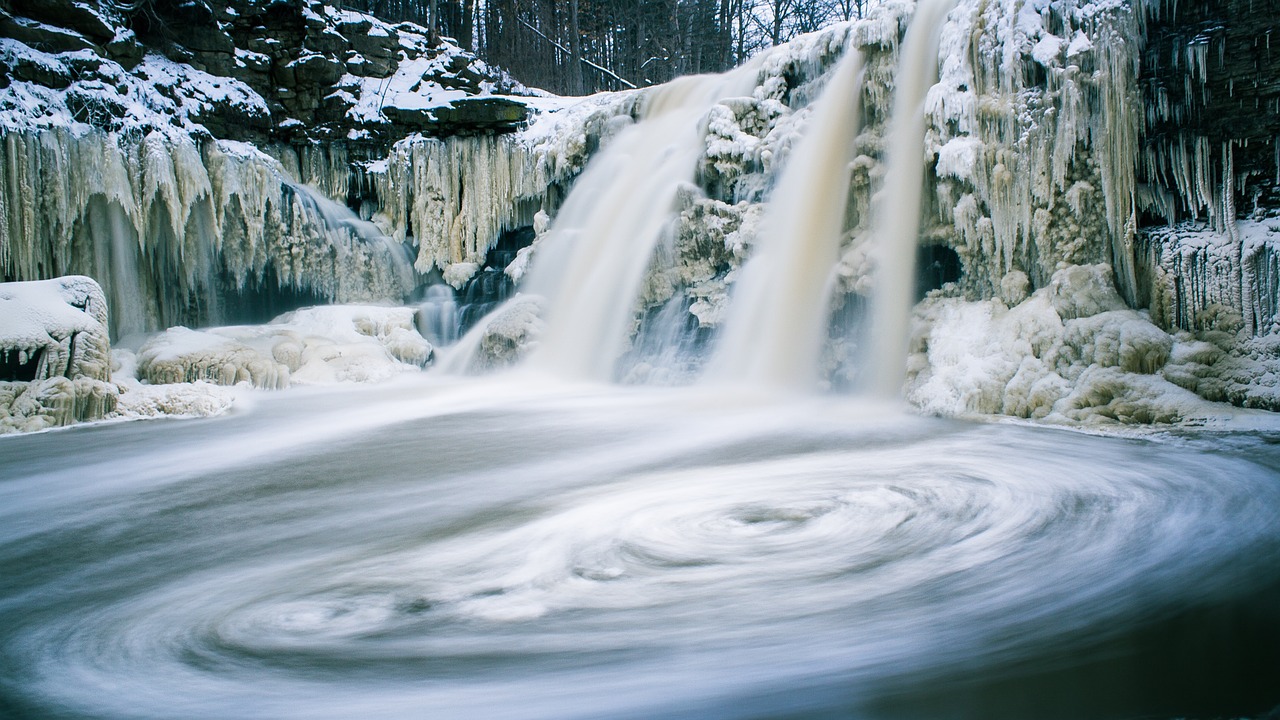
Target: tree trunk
467,28
574,78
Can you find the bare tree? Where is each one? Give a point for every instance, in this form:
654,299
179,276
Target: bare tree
582,46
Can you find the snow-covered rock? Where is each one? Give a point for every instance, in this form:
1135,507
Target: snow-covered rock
54,353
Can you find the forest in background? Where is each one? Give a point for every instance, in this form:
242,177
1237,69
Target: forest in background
575,47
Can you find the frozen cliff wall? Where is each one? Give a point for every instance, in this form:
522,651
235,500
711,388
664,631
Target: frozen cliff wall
196,158
1210,164
174,229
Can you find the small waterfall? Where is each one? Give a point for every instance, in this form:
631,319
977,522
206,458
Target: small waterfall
116,259
778,319
600,245
437,316
334,217
666,347
898,209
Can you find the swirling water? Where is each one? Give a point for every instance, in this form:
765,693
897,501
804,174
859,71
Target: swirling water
441,548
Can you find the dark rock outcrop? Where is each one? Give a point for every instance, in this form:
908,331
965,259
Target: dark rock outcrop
322,74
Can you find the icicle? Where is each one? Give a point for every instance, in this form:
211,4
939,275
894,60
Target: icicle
459,195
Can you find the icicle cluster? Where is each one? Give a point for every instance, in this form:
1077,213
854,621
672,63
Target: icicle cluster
453,198
161,223
1036,122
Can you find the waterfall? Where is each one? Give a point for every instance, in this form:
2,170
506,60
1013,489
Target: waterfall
116,262
437,316
336,218
898,209
778,319
600,244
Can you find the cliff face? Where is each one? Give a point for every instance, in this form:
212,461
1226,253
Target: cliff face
321,73
188,154
1210,81
1208,170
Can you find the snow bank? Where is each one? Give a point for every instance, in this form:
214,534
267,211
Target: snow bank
319,345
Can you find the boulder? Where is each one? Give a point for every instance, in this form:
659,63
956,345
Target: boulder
41,36
55,355
312,70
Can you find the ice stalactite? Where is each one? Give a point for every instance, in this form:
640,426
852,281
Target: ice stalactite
161,222
1197,275
453,198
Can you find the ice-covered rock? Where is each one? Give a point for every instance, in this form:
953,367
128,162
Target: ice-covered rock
1070,352
316,345
55,354
501,339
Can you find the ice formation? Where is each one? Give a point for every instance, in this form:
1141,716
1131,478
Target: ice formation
168,225
453,197
1072,351
318,345
55,354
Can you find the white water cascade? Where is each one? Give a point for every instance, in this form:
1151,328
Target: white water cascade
898,219
778,318
599,247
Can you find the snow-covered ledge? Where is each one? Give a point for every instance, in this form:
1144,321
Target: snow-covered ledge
55,354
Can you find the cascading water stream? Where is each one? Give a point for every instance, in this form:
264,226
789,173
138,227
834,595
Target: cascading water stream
898,209
778,319
336,218
593,261
598,250
115,262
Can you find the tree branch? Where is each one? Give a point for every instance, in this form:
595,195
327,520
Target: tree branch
565,50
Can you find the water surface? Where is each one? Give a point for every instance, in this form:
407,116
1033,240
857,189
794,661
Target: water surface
507,549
